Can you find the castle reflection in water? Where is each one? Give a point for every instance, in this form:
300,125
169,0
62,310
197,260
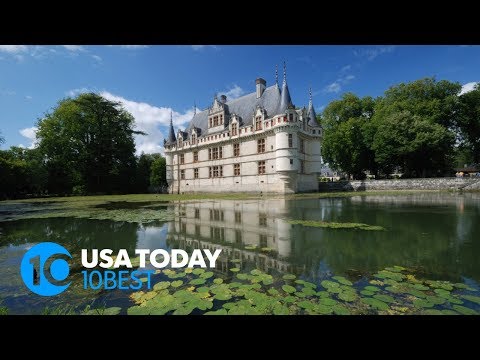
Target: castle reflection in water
231,226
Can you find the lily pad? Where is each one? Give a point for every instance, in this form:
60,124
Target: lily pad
177,283
366,293
378,304
420,287
203,289
300,294
198,271
112,311
288,289
322,309
323,294
347,296
432,312
250,247
371,288
183,310
256,272
342,280
422,303
308,291
449,312
218,281
289,277
327,301
339,309
464,310
242,276
198,281
306,305
161,285
327,284
206,275
472,298
273,291
235,269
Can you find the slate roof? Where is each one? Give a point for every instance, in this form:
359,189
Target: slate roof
244,107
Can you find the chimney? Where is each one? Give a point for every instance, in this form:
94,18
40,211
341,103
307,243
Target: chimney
223,99
261,85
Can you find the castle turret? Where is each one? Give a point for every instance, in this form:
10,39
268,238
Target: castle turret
285,99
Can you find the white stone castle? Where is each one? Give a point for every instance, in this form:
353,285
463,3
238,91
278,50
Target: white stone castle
256,143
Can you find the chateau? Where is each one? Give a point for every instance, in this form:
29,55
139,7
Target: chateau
259,142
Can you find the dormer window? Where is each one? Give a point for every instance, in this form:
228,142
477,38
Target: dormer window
194,139
258,123
234,129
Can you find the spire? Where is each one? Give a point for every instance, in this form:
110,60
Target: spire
172,139
276,75
312,117
194,108
285,100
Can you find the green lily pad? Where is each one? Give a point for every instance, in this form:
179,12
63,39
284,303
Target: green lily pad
256,272
422,303
289,277
449,312
323,294
334,290
416,293
327,301
242,276
339,309
198,281
234,285
183,310
273,291
306,305
217,312
198,271
300,281
250,247
308,291
203,289
432,312
366,293
472,298
437,300
206,275
327,284
378,304
464,310
442,292
289,299
177,283
267,281
218,281
300,294
161,285
266,249
393,269
322,309
280,309
234,269
342,280
371,288
420,287
454,300
348,296
310,285
288,289
384,298
376,282
460,286
394,289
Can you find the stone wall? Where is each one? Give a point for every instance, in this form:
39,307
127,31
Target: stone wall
402,184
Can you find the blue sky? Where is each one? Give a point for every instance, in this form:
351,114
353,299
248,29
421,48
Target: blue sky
152,80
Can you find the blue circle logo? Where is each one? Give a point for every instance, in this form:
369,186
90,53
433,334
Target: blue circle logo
44,269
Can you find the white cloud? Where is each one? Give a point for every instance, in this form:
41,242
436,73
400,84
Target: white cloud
148,118
372,53
74,48
345,68
234,92
28,97
336,86
134,47
7,92
468,87
201,47
31,134
13,49
97,58
75,92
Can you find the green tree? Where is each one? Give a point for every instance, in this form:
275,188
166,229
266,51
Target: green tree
158,175
344,141
88,145
417,145
431,108
469,124
144,169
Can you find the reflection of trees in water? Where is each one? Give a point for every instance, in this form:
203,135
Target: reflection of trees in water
421,235
73,233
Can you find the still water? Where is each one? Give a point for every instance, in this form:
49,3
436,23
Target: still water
437,234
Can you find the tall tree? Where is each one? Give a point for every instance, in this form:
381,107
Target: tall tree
88,143
144,169
344,141
469,124
158,175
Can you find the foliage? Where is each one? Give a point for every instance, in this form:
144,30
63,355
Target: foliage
469,125
158,174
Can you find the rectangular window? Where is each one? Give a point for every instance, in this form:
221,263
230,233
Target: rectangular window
236,149
195,173
195,156
220,152
302,167
209,154
182,174
209,171
238,217
221,119
197,213
302,146
258,123
234,129
215,153
290,117
182,159
261,145
290,140
236,169
262,219
291,161
261,167
215,171
263,240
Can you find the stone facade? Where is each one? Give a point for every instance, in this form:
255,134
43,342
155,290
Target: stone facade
403,184
257,143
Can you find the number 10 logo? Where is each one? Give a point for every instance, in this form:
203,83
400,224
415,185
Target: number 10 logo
43,274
